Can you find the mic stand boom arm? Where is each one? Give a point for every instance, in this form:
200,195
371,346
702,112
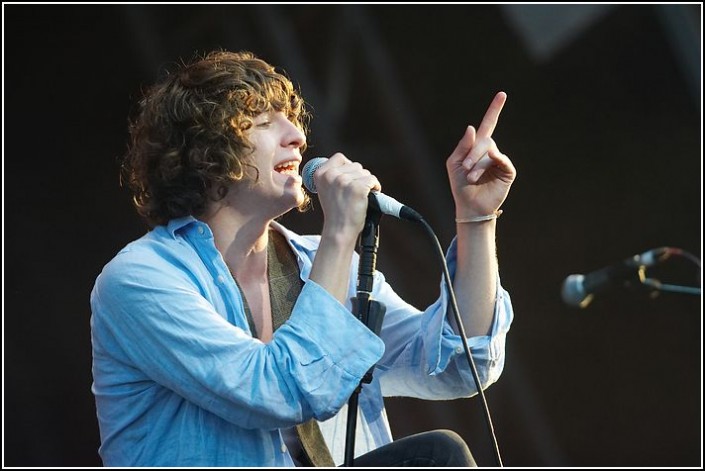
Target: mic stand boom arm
657,286
368,311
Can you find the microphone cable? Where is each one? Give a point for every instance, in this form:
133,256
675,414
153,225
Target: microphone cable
461,328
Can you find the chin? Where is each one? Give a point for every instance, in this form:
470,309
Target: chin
300,200
292,200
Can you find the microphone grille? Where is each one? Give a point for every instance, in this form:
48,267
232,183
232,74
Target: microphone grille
308,171
573,291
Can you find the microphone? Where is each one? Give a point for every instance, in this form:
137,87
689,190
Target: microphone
385,204
579,290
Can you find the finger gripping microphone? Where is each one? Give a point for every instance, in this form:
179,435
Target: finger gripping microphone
385,204
578,290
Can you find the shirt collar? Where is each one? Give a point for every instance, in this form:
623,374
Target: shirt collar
306,243
176,225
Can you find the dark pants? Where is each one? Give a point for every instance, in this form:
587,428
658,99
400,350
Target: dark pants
438,448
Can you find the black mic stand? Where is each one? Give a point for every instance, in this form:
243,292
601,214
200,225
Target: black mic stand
367,310
656,286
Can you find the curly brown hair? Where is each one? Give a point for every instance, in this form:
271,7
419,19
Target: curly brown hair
189,138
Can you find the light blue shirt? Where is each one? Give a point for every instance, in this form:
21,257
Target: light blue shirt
180,381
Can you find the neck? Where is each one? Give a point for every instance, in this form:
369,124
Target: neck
242,241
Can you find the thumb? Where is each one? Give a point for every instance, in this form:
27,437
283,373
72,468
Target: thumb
463,148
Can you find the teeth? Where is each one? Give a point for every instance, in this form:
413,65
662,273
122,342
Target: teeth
287,166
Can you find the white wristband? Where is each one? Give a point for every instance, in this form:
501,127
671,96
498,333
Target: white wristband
486,217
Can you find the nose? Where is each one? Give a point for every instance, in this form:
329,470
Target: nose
295,136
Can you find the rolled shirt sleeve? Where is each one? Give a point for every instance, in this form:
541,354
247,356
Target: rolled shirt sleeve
167,332
424,357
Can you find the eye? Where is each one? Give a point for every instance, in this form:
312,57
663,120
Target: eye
263,124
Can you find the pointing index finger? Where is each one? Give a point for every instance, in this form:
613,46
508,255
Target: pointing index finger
492,115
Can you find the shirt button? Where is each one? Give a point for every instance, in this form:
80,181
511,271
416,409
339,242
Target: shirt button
200,229
221,280
283,448
458,349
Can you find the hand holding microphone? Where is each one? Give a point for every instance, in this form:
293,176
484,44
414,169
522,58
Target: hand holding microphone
342,187
385,204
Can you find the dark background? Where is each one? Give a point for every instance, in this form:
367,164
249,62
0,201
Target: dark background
603,123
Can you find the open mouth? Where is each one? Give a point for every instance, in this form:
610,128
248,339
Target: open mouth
290,167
